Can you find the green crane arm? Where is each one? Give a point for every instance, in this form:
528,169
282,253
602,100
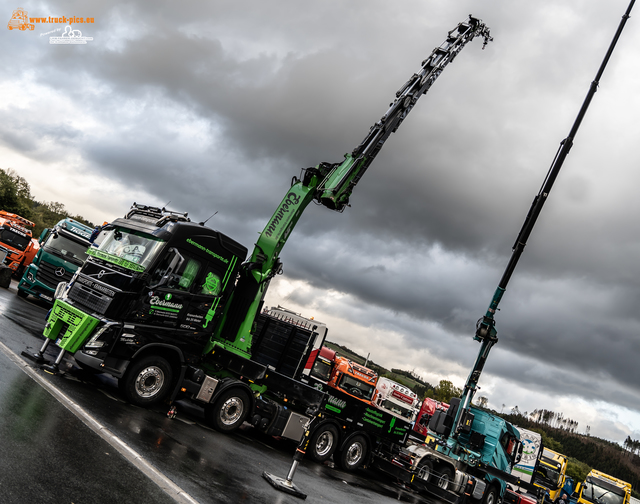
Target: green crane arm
329,184
486,332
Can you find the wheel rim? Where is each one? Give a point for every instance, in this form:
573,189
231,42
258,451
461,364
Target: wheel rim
443,482
324,443
231,410
354,454
491,498
149,381
424,472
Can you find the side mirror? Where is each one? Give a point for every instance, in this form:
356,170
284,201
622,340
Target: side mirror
174,265
518,454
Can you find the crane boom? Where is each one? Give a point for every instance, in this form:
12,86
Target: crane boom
330,184
486,332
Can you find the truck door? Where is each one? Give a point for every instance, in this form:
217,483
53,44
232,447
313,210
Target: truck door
191,298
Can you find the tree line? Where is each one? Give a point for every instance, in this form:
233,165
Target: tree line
16,197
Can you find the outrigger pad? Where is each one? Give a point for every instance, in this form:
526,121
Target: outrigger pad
37,358
51,369
283,485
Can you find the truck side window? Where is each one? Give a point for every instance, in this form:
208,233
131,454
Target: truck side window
189,274
211,285
211,282
184,277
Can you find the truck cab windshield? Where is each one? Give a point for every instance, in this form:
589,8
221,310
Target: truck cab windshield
131,246
63,246
13,239
595,493
321,370
397,409
356,387
547,476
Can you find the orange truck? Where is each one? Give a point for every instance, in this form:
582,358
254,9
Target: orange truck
354,379
16,238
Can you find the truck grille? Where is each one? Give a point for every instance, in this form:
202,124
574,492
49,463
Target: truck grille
47,274
90,299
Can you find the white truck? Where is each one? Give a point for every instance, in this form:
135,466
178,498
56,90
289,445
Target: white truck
396,399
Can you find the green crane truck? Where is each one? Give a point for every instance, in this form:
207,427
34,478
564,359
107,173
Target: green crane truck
164,303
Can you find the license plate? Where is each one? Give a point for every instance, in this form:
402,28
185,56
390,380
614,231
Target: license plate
58,341
48,298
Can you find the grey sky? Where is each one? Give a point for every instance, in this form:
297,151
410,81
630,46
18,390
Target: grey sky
214,106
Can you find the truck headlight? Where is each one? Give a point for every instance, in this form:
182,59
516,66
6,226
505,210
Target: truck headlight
60,290
103,336
93,342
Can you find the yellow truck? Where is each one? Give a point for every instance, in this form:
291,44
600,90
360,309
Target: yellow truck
550,473
600,488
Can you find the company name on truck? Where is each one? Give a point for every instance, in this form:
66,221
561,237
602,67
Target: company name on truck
292,200
156,301
80,232
18,229
96,286
335,404
205,249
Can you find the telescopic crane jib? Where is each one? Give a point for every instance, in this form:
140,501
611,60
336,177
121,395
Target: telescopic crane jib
486,332
331,184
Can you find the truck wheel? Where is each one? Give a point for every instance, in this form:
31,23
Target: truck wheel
323,442
147,381
5,277
19,272
229,410
445,478
353,455
425,470
490,495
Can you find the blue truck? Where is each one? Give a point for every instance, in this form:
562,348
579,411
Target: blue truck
63,249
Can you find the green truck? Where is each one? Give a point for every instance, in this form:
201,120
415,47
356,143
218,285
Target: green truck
63,249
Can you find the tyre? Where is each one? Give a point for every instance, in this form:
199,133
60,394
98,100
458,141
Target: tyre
445,478
19,272
425,470
353,455
5,278
323,442
147,381
229,410
490,495
23,294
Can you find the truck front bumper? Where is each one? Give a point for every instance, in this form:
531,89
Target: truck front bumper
115,367
30,284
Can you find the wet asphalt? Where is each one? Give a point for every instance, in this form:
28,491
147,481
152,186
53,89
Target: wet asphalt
116,452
